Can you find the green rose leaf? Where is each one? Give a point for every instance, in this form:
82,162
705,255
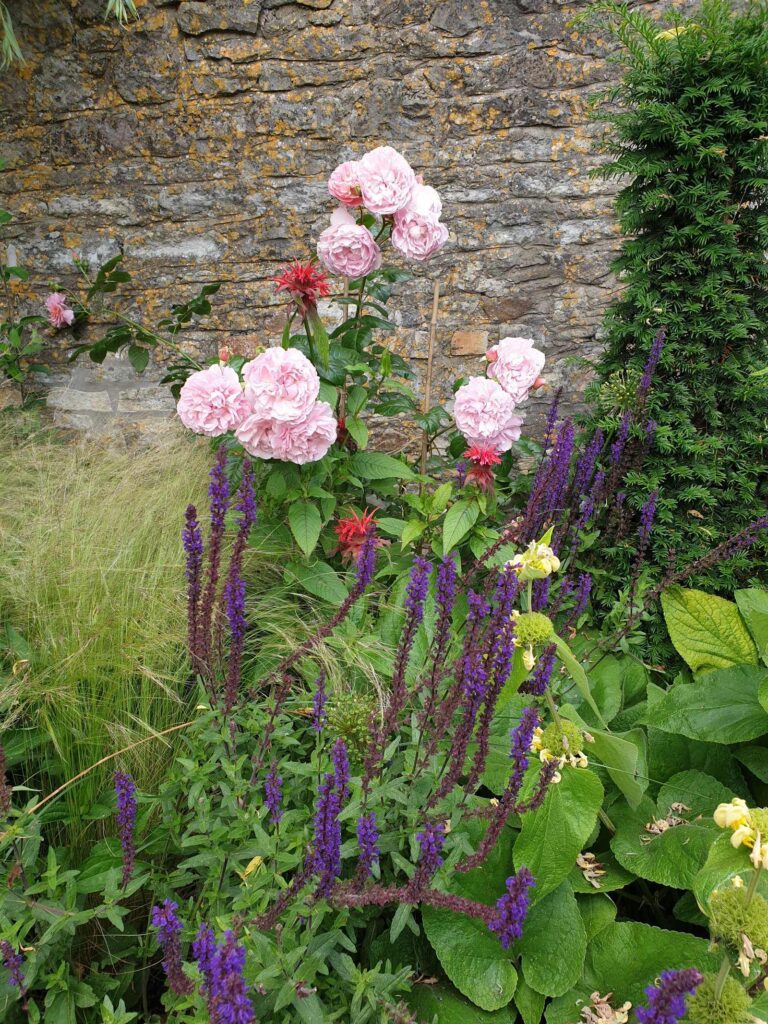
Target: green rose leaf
553,836
728,705
551,966
674,856
449,1007
624,959
459,520
379,466
472,957
707,631
305,523
753,605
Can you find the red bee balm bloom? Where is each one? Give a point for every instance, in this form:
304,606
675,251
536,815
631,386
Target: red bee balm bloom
352,532
482,460
304,283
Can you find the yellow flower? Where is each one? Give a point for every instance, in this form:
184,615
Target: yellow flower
743,836
732,815
536,562
529,658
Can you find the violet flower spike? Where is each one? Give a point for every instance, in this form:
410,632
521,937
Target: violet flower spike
647,514
536,684
125,790
273,794
368,842
512,908
666,999
618,446
319,700
651,364
204,951
192,540
13,963
228,996
431,841
169,928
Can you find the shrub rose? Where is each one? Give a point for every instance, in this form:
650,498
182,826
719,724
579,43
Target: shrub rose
281,384
344,183
211,402
425,200
418,236
485,414
307,440
516,365
386,180
59,313
255,435
348,249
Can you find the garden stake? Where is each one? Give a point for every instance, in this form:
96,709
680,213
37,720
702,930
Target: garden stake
428,382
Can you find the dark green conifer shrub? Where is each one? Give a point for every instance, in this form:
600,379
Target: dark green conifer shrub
688,133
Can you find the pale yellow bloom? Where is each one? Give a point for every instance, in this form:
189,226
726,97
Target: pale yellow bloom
732,815
529,658
737,882
742,836
537,561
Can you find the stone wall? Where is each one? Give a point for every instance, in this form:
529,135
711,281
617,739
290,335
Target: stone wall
199,139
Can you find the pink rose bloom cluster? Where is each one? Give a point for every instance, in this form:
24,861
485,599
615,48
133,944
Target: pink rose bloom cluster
275,415
484,408
385,184
59,313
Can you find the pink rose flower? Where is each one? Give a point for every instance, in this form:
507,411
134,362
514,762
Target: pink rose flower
425,200
307,440
348,249
516,365
386,180
59,313
344,184
281,384
418,236
255,435
212,401
485,414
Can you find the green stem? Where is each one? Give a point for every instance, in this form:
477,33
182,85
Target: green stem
310,341
530,595
722,977
555,714
753,884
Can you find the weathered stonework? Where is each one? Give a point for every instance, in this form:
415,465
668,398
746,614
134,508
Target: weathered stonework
199,139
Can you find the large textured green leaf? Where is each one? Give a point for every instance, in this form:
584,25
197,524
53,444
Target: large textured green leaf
753,605
722,864
472,957
707,631
319,579
674,856
624,959
553,836
597,912
459,520
530,1004
447,1006
551,966
722,706
305,523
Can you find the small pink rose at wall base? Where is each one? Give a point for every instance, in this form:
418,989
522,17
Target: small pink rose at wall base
281,384
59,314
308,440
485,415
348,250
211,402
386,180
516,365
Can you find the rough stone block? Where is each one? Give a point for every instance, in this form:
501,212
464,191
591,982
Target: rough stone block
79,401
469,343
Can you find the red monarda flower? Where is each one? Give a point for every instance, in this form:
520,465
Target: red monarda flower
482,459
352,532
304,283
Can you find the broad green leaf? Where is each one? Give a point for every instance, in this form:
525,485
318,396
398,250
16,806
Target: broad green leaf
394,527
138,357
707,631
753,605
722,706
412,530
357,431
672,857
319,579
379,466
319,336
551,966
305,523
625,958
553,836
472,957
723,863
624,759
447,1006
438,502
579,676
459,520
530,1004
597,912
670,753
755,759
759,1007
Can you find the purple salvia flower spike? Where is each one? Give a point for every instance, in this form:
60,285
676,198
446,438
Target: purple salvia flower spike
169,928
192,539
431,841
228,996
666,999
537,684
367,842
319,700
13,963
512,908
647,514
651,364
204,951
125,790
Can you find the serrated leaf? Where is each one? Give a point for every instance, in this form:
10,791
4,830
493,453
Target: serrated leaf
357,431
305,523
138,357
707,631
530,1004
722,706
459,520
551,966
753,606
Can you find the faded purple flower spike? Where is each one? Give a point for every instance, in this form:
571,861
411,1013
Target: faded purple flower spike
666,999
192,539
13,962
585,467
461,472
368,842
319,714
552,413
647,514
227,996
582,592
273,790
651,364
169,928
618,446
512,908
125,789
325,857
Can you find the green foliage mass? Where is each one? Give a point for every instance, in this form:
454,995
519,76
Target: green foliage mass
687,134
